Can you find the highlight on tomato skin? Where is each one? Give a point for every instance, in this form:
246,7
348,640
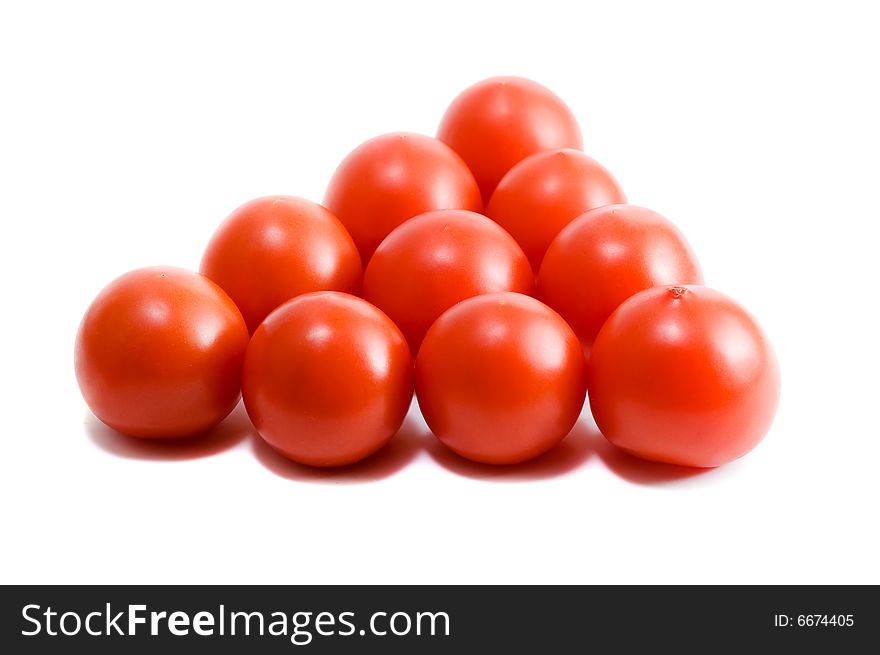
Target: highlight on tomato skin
328,379
159,353
605,256
500,378
274,248
437,259
393,177
543,193
497,122
683,375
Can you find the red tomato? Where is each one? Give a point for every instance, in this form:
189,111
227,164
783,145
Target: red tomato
683,375
545,192
328,379
393,177
159,353
272,249
497,122
435,260
606,255
500,378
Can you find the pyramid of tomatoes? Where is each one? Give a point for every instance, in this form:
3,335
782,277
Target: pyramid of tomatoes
496,271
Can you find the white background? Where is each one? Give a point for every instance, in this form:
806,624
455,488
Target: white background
129,130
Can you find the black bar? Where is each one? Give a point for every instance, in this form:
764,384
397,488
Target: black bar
541,619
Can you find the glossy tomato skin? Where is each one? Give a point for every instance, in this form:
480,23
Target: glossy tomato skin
606,255
328,379
437,259
392,178
159,353
498,122
683,375
272,249
500,378
545,192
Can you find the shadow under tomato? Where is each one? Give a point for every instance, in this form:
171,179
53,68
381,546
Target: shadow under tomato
571,453
400,451
229,432
640,471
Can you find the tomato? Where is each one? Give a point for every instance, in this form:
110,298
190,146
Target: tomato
606,255
272,249
683,375
497,122
393,177
159,353
435,260
328,379
543,193
500,378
